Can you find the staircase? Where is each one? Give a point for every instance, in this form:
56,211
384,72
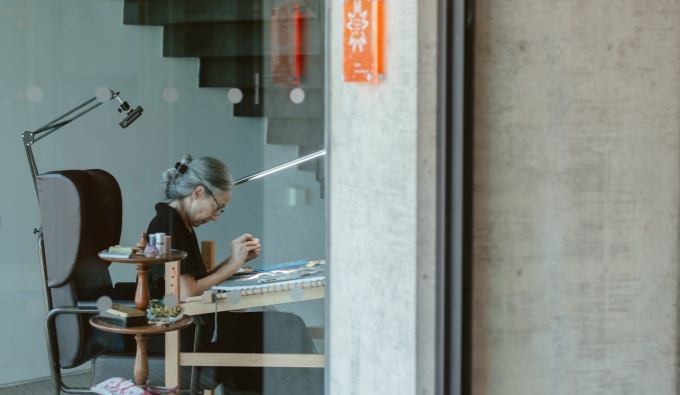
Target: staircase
249,45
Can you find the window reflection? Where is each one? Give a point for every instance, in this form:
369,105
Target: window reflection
256,101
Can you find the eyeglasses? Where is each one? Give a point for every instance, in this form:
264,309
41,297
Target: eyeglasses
220,209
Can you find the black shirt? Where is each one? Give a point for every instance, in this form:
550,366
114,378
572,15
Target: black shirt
168,221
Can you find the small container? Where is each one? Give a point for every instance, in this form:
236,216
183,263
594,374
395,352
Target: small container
168,243
160,242
151,249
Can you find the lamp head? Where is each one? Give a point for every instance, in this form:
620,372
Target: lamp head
132,115
124,107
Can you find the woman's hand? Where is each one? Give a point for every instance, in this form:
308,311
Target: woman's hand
245,248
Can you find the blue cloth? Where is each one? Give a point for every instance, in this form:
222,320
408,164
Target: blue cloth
288,265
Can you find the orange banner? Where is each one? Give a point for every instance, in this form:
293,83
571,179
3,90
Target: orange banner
363,41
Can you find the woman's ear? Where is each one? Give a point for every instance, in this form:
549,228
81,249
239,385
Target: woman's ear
198,192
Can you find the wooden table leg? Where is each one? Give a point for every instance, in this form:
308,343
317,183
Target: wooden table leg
141,361
142,292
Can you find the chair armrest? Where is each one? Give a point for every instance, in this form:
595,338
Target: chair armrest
122,293
52,345
52,314
92,304
52,341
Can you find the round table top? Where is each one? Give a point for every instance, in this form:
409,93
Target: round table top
148,329
173,255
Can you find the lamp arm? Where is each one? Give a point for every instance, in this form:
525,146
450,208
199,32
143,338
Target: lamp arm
280,167
31,138
53,126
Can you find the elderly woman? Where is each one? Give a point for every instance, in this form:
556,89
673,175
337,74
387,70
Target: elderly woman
197,192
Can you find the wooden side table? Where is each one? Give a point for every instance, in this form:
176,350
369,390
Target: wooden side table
142,332
143,262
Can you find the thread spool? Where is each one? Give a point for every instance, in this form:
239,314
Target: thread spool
160,242
168,243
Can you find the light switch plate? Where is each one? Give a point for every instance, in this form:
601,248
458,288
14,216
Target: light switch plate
297,196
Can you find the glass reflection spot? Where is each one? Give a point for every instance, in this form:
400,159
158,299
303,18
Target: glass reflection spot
104,303
103,94
297,95
34,94
234,297
170,300
170,95
234,95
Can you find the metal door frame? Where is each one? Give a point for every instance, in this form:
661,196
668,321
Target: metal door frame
454,196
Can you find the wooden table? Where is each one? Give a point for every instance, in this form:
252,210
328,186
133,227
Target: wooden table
194,305
174,358
143,262
142,332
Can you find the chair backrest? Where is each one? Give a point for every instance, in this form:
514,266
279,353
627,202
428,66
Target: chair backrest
81,212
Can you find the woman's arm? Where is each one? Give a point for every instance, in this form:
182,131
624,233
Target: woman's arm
243,249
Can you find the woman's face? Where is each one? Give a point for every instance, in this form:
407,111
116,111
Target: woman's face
206,205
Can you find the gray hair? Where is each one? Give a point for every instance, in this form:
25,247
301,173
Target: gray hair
181,180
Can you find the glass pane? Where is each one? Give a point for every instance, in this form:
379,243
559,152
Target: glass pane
241,81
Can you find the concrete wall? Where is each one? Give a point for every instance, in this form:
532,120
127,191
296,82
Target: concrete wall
576,197
381,220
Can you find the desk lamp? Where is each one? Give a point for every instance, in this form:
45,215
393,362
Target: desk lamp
102,96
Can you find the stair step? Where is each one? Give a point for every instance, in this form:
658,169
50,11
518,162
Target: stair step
227,72
311,71
239,71
296,131
224,39
213,39
251,105
279,105
167,12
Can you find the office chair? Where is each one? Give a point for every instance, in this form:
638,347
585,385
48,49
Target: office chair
81,212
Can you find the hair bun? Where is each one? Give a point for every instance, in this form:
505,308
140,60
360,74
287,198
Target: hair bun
181,168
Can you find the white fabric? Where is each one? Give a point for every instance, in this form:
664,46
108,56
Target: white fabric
121,386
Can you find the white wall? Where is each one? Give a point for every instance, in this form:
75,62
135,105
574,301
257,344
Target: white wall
68,49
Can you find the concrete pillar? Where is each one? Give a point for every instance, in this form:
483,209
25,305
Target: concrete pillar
382,153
